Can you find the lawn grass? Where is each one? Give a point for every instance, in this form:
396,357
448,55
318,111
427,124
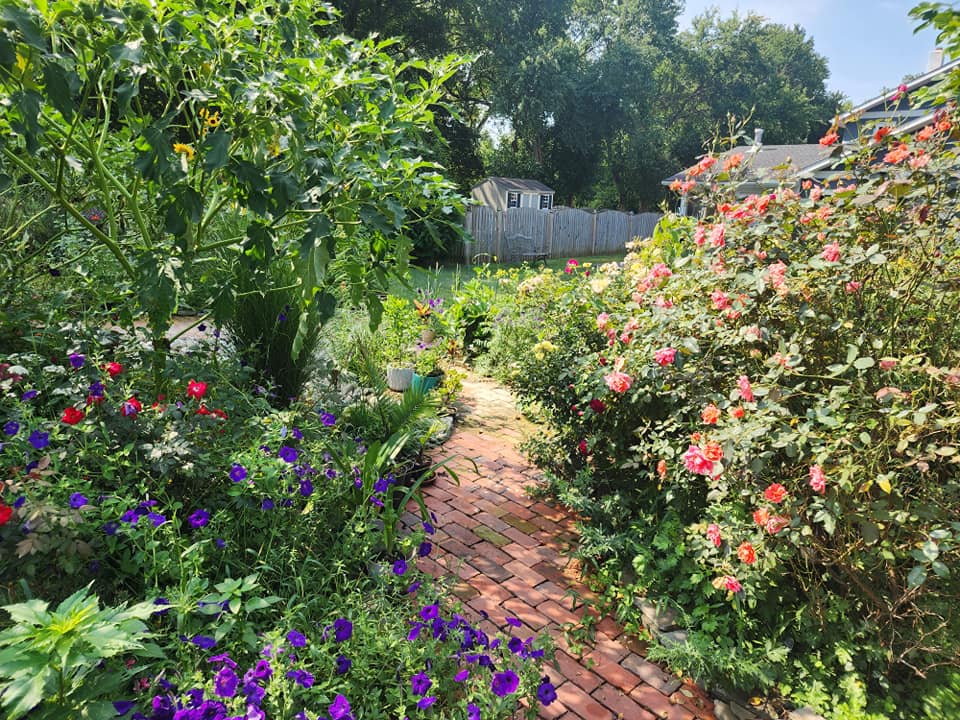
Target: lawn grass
444,280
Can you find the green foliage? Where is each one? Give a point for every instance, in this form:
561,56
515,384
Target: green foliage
757,413
61,661
164,119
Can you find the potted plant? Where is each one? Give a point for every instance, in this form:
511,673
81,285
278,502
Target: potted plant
427,371
398,333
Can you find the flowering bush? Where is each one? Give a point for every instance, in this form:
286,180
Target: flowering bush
757,412
232,518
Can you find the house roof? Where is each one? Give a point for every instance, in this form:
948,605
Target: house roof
516,184
883,99
768,163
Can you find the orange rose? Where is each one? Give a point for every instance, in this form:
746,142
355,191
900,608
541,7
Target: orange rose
713,451
710,414
746,553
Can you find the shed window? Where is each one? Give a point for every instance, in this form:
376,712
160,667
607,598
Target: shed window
513,199
545,203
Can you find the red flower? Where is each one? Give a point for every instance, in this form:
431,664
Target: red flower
881,133
582,447
662,468
5,512
130,407
775,493
829,139
196,389
710,414
71,416
737,412
746,553
113,368
202,410
598,406
220,413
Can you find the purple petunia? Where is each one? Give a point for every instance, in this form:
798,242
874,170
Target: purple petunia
340,708
111,527
461,676
296,638
420,683
96,389
77,500
288,454
29,395
504,683
473,712
343,664
301,677
428,528
77,360
414,586
296,434
204,642
39,439
267,504
342,629
429,612
425,702
199,518
156,518
123,706
306,487
238,473
328,419
225,683
546,692
399,566
11,427
514,622
424,549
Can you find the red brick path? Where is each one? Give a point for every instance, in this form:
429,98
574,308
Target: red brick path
508,553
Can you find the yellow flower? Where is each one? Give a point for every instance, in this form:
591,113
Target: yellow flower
182,149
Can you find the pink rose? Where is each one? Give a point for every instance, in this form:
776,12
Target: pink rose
713,534
603,319
853,287
746,390
831,252
696,462
665,356
732,584
618,381
776,523
717,236
721,301
818,481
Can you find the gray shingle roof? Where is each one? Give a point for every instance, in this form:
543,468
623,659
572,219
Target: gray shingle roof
770,162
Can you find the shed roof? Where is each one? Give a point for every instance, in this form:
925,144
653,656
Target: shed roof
517,184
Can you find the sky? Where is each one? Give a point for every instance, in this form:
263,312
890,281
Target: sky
869,44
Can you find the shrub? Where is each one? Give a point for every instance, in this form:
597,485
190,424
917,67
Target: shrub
780,381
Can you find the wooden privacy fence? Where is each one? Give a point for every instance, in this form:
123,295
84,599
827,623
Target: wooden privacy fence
520,234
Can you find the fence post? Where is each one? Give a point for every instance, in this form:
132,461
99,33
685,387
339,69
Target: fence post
593,234
551,215
497,235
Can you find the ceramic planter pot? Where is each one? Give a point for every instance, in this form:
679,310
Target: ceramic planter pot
428,335
399,378
425,383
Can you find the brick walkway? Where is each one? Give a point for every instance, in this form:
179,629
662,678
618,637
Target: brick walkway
508,553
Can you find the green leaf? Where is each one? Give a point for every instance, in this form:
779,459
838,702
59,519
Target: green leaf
916,576
940,569
930,550
23,21
215,148
863,363
21,697
61,88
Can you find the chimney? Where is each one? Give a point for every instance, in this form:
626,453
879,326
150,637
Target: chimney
935,60
758,136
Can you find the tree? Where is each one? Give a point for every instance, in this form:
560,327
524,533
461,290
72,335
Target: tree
260,135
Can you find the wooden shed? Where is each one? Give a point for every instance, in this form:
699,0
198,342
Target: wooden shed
500,193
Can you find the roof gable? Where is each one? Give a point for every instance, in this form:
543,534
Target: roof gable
524,185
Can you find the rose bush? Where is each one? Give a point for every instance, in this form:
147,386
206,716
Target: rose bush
757,412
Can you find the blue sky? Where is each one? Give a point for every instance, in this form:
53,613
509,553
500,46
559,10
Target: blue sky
869,44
